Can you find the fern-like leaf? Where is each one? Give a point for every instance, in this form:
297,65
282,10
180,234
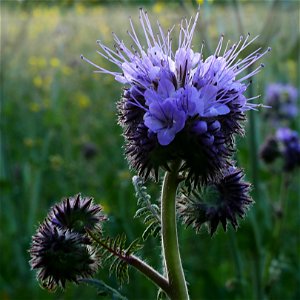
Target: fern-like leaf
149,211
133,247
152,229
115,253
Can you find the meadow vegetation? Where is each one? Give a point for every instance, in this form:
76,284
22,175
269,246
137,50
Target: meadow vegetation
59,137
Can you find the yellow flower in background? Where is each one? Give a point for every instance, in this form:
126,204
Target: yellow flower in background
54,62
66,70
32,61
37,12
29,142
105,30
56,162
37,61
52,11
80,9
98,11
34,107
42,62
158,7
200,2
37,81
82,100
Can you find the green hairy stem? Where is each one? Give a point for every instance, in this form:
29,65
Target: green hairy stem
170,247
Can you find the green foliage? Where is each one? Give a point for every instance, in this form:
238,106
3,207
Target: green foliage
103,289
149,211
53,108
115,253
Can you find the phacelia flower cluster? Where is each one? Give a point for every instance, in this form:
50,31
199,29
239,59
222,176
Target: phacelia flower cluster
60,256
217,202
180,105
61,250
78,214
285,144
283,100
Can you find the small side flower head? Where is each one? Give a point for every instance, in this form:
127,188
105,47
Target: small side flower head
77,213
269,150
283,100
61,255
216,202
284,145
178,104
289,145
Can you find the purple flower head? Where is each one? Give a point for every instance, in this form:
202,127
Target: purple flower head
283,100
286,135
269,150
176,104
187,100
164,119
284,145
289,145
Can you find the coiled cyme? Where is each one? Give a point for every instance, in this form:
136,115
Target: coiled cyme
283,100
61,250
269,150
61,255
217,202
77,213
289,145
178,104
284,144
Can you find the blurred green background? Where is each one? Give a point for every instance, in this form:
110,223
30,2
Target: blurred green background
59,137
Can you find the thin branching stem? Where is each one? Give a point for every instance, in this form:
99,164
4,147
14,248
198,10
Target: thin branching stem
149,272
137,263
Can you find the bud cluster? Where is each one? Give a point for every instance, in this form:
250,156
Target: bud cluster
285,145
61,250
283,100
218,202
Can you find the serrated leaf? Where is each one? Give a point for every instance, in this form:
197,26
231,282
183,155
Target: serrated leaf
150,219
156,208
141,212
122,241
149,230
115,253
150,212
122,272
133,247
112,267
156,231
109,256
